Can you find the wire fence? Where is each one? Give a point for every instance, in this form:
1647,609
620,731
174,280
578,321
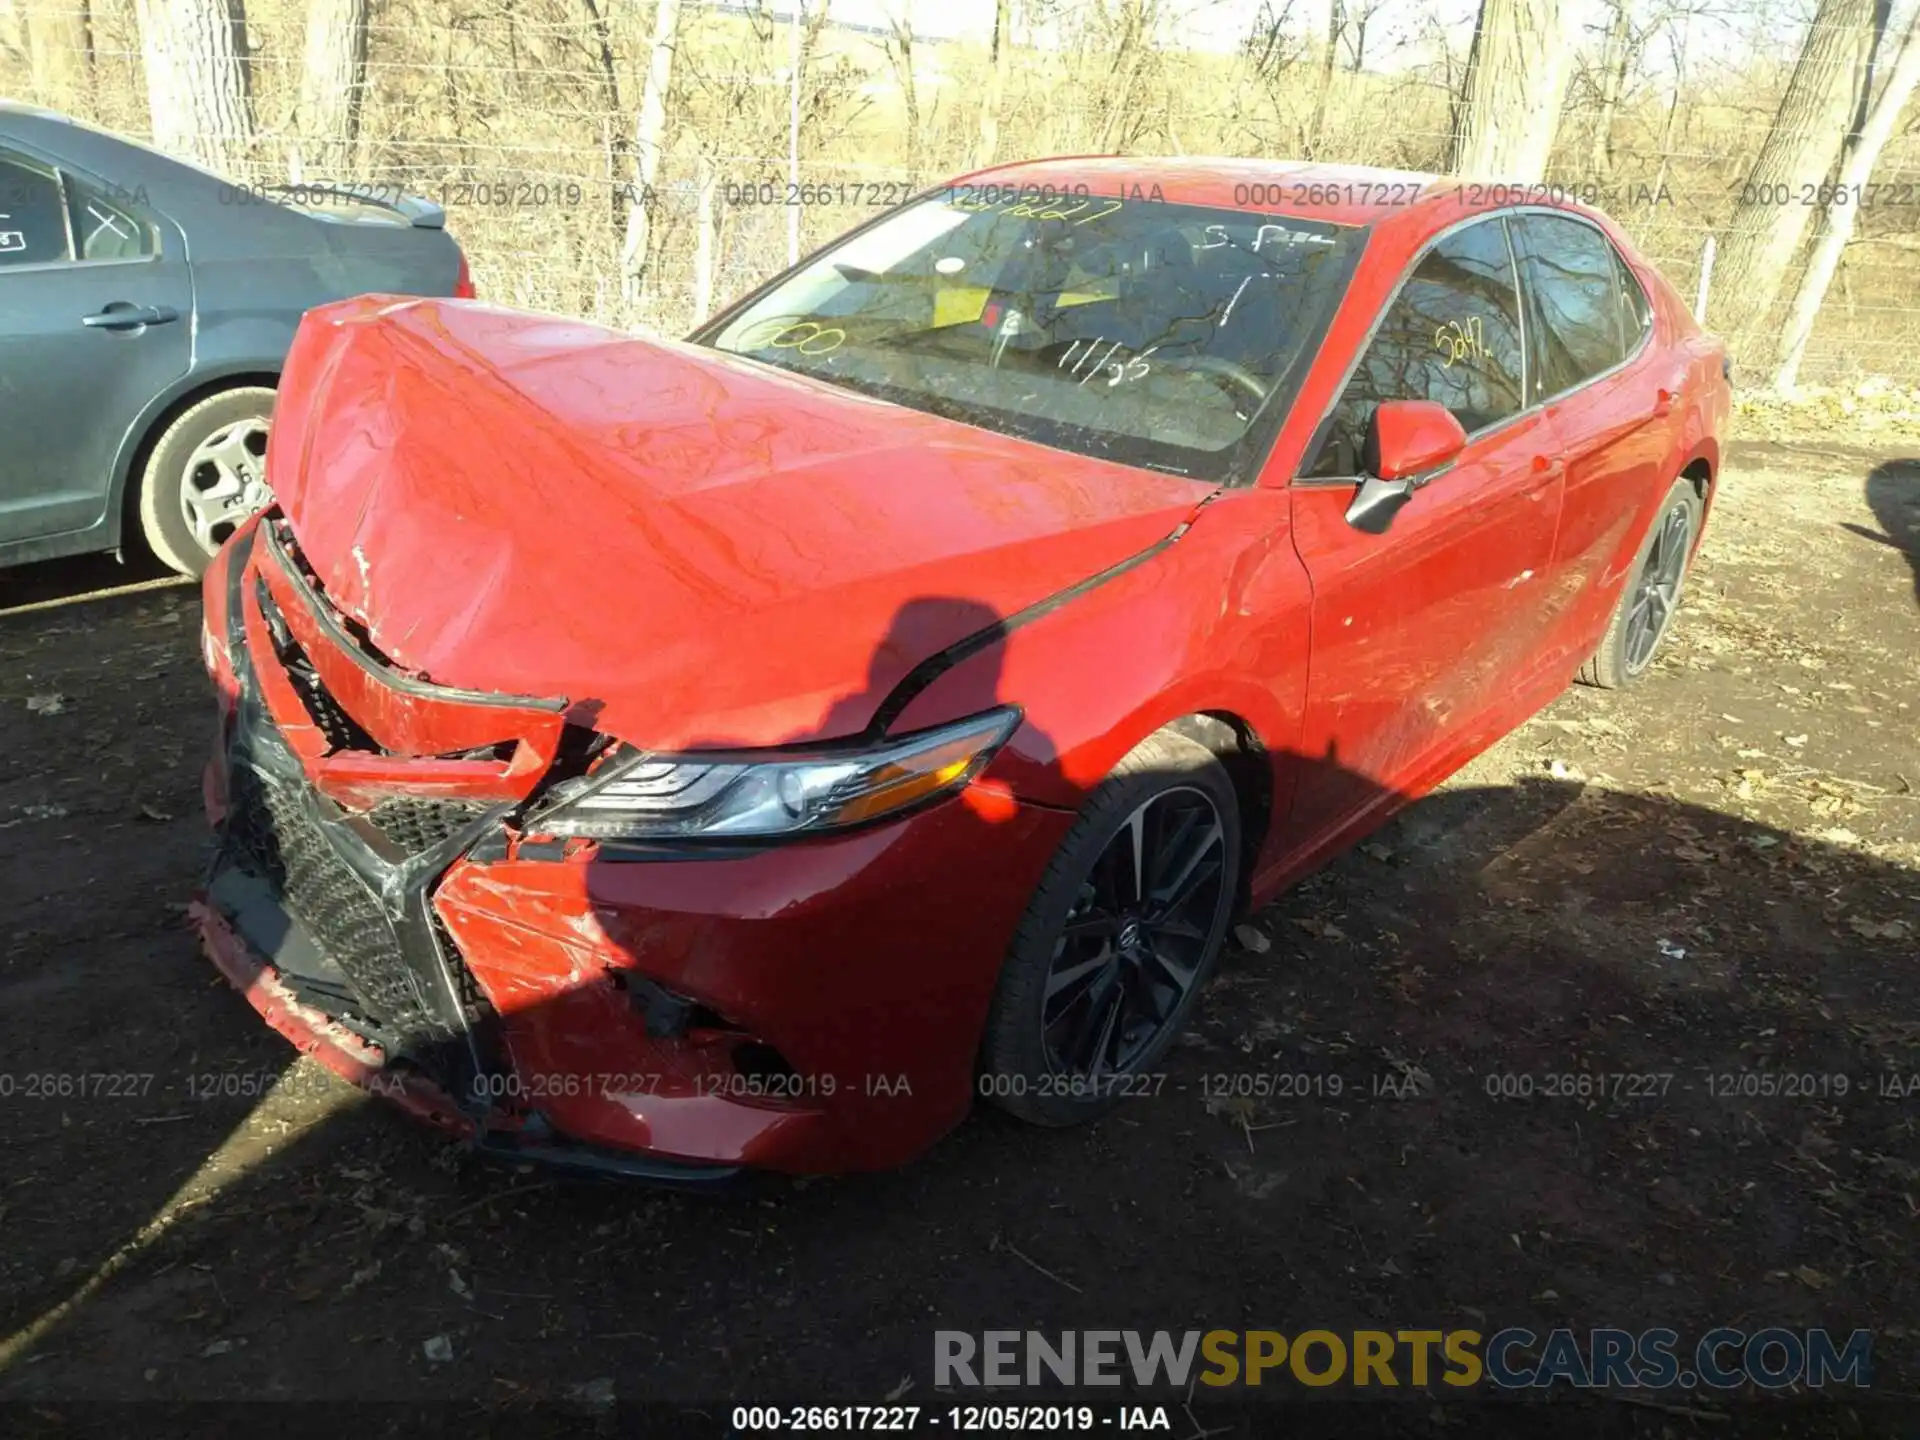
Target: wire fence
519,120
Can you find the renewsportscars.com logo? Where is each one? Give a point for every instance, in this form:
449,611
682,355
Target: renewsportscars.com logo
1724,1358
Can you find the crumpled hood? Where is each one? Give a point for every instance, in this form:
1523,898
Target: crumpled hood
694,549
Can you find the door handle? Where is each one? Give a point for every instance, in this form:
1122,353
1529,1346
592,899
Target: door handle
1545,468
130,318
1664,397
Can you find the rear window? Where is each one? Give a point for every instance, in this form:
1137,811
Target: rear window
1574,278
104,228
1156,334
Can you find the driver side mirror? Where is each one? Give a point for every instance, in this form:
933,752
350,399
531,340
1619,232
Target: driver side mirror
1407,441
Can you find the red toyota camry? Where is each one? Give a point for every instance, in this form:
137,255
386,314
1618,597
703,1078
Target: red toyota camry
676,758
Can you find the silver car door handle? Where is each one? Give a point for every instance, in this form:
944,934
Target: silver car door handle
130,319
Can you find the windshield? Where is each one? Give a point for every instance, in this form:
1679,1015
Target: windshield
1164,335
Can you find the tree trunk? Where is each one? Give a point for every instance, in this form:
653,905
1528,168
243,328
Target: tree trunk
1002,59
1769,220
1336,22
1854,176
1126,63
60,52
198,96
332,83
649,140
1614,58
1510,106
615,112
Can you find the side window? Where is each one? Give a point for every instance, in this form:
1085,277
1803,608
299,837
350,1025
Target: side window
1573,277
1452,335
1636,314
103,229
33,221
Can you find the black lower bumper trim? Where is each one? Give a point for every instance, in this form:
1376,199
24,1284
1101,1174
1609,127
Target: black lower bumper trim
612,1164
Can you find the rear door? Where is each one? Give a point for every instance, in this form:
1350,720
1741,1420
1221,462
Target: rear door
1419,632
1599,373
96,313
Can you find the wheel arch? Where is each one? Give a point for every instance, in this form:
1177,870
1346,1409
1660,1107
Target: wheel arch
1702,472
124,503
1237,745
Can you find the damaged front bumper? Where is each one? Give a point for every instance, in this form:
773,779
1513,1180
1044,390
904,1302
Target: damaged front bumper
673,1015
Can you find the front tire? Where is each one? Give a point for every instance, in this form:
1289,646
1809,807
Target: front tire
207,473
1119,938
1644,612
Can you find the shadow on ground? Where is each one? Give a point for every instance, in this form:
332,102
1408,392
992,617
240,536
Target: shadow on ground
1893,494
1496,1068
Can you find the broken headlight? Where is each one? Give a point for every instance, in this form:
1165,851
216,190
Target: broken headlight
636,795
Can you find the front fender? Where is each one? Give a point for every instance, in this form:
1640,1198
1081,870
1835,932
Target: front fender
1217,622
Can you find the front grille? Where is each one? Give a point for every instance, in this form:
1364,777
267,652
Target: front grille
341,730
473,1000
340,902
414,825
277,840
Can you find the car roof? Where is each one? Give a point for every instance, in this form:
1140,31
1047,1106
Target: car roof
1340,194
39,112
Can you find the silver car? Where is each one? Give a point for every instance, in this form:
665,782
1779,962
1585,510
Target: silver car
146,306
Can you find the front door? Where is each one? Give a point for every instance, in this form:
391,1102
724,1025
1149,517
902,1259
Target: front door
96,318
1420,633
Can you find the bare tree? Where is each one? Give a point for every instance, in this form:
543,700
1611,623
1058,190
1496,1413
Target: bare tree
1119,125
60,51
198,91
1516,78
999,61
333,78
607,77
1855,174
649,140
1336,22
1800,149
899,48
1616,55
1359,17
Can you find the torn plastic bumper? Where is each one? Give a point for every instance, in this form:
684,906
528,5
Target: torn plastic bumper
667,1014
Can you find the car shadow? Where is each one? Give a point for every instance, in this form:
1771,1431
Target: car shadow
1893,494
284,1238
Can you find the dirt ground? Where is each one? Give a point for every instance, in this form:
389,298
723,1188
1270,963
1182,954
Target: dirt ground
1714,874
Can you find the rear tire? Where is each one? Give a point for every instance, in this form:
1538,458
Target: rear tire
1119,939
205,475
1644,613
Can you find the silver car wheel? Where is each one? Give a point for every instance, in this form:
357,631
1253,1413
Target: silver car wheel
225,481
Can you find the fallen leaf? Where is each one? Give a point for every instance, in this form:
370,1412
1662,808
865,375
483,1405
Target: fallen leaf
1878,929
